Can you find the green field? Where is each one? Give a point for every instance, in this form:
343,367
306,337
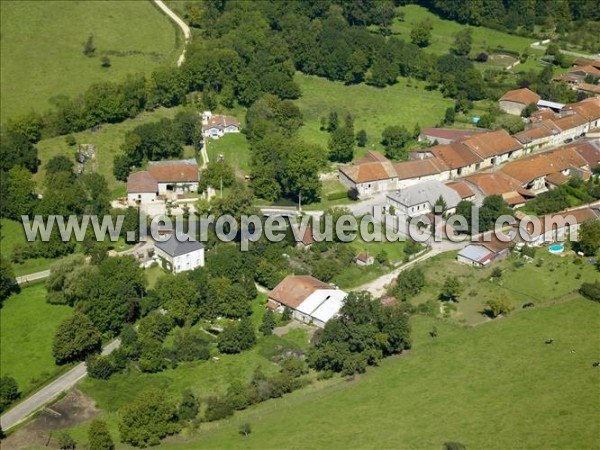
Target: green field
442,35
496,386
108,140
373,108
235,149
42,43
28,326
554,281
11,233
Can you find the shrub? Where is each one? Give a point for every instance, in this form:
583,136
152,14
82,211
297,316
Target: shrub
591,291
245,429
337,195
100,367
148,419
98,436
9,392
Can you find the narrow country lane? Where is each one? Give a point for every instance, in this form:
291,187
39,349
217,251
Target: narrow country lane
48,393
187,33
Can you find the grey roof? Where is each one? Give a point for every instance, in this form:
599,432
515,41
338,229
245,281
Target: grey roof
169,162
427,191
474,252
176,247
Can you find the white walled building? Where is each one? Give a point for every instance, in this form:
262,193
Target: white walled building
216,126
179,255
310,300
162,178
420,199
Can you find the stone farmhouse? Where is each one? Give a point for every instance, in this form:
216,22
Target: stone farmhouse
514,102
161,179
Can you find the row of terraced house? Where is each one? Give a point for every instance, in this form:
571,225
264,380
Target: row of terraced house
478,152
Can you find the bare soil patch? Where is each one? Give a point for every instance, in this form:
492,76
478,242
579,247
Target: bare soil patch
72,410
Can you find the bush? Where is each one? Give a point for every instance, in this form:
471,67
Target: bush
217,408
65,441
98,436
245,429
9,392
100,367
591,291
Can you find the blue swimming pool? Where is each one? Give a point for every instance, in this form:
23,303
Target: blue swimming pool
557,248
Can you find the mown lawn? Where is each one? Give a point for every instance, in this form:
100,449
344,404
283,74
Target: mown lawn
108,140
405,103
234,148
552,281
42,47
496,386
443,32
28,327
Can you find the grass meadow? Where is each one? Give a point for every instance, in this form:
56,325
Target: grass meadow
108,140
405,103
28,327
443,32
42,47
12,233
494,386
554,279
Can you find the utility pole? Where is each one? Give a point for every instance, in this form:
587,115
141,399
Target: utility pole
300,202
221,187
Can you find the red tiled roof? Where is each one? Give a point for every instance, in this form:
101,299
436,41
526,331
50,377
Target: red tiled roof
535,166
523,96
589,69
363,257
461,189
173,171
513,199
494,183
570,121
455,155
543,113
450,133
582,214
533,133
418,168
589,152
141,182
493,143
588,108
588,87
220,121
294,289
557,178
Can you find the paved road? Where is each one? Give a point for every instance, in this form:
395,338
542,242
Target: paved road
49,392
180,23
33,276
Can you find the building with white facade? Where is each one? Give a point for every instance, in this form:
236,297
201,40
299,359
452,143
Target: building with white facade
216,126
310,300
179,255
420,199
162,178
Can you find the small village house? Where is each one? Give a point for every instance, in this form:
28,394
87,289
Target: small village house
515,101
162,178
216,126
179,253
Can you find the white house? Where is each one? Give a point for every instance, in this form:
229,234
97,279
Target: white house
179,255
218,125
309,299
420,199
142,188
